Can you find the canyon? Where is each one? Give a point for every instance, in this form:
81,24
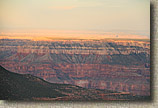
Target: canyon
121,65
28,87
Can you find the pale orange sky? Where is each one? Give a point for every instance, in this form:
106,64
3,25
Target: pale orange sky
130,17
65,34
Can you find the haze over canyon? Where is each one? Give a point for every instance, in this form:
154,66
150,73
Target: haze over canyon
121,65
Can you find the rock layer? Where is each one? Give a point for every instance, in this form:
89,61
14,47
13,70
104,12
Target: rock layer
120,65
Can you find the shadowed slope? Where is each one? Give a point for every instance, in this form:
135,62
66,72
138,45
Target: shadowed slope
15,86
27,87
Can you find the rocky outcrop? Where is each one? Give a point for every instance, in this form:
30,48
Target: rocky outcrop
27,87
121,65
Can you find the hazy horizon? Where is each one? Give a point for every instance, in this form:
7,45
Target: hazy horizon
131,17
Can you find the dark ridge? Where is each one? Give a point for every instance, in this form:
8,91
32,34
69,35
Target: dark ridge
15,86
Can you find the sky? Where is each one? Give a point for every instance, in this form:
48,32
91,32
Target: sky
125,16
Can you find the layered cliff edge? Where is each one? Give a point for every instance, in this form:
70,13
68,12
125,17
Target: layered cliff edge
117,65
15,86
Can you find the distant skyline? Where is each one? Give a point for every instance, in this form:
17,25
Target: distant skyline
127,16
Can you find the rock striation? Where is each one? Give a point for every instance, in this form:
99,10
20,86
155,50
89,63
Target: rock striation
119,65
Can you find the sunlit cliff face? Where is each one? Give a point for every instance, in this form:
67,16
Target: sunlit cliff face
50,35
95,44
114,64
